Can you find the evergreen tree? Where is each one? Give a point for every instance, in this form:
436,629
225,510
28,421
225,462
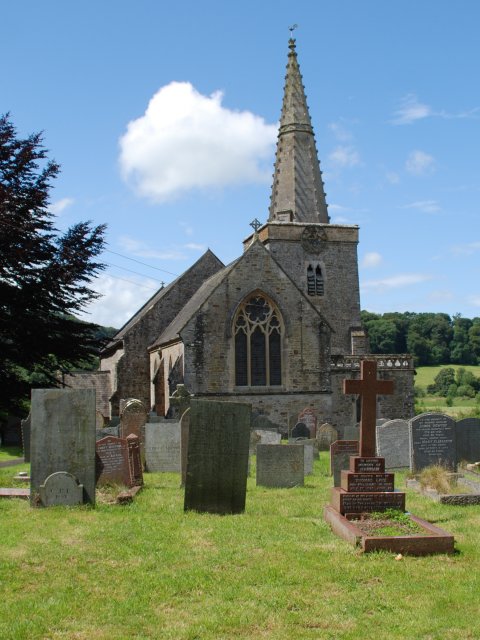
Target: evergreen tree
44,276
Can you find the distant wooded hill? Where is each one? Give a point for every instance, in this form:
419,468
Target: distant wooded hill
432,338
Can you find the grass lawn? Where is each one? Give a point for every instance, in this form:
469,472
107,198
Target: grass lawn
149,570
10,453
426,376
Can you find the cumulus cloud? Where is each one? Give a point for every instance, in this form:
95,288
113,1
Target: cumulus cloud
426,206
420,163
344,157
372,259
186,140
59,206
395,282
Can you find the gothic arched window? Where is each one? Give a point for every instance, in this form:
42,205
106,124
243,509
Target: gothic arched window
315,284
258,343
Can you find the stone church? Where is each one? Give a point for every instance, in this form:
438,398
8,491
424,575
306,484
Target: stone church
278,328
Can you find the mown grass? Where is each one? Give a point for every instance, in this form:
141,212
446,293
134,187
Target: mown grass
10,453
426,375
149,570
461,406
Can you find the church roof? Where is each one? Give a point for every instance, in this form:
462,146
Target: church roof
297,190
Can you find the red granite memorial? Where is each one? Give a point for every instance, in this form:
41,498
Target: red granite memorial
366,488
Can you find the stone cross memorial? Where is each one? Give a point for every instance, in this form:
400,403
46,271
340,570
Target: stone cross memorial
217,461
366,487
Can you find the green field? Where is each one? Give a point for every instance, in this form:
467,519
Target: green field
150,571
461,406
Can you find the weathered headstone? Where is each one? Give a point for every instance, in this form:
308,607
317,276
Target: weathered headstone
326,434
107,431
268,437
310,453
217,464
184,432
468,440
100,420
162,446
135,460
280,465
26,429
300,430
112,465
381,421
393,443
61,488
63,437
132,420
340,452
309,418
432,441
351,432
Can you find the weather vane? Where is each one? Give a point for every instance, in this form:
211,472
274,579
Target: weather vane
292,29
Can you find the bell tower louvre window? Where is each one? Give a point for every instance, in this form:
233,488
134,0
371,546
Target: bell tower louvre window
315,283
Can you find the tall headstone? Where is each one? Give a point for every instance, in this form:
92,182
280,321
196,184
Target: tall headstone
63,438
340,452
112,464
135,460
309,418
468,440
132,420
217,463
393,443
280,466
26,429
326,435
162,446
184,432
432,441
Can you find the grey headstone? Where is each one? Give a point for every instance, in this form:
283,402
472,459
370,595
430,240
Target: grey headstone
309,450
217,465
132,420
340,452
26,429
300,430
393,443
432,441
184,433
61,488
351,432
268,437
63,437
280,465
326,435
162,446
107,431
468,440
381,421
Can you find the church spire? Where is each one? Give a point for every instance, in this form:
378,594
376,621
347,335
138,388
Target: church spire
297,180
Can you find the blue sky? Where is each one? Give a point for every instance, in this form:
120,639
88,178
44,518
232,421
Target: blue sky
163,117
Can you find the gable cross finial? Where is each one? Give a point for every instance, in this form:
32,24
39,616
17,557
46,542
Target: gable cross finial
255,224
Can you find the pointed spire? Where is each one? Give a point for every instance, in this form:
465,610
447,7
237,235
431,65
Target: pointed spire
297,180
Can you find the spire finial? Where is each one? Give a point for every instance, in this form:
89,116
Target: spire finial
291,42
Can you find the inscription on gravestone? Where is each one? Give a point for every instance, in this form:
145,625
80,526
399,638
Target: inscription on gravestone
61,488
217,463
280,465
432,441
112,464
162,447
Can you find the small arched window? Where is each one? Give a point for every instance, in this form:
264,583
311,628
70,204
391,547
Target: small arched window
258,343
315,283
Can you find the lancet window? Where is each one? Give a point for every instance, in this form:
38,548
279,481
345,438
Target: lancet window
258,331
315,282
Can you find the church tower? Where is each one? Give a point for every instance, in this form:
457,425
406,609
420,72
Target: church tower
319,256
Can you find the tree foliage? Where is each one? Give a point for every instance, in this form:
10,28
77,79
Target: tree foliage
432,338
44,276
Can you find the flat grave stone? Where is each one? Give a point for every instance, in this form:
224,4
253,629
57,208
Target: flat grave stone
280,466
432,441
162,446
63,438
393,443
309,417
112,464
217,462
326,435
61,488
340,452
468,439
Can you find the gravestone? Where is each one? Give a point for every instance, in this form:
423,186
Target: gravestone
326,434
107,431
432,441
351,432
162,446
300,430
381,421
393,443
340,452
310,453
26,428
268,437
252,447
132,420
468,440
280,466
99,419
184,431
309,418
61,489
217,463
63,438
112,464
135,460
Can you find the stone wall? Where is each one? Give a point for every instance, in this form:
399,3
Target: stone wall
98,380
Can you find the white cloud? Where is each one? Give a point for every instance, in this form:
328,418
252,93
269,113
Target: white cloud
392,177
59,206
344,156
372,259
465,249
426,206
411,110
441,296
142,250
394,282
121,298
195,247
340,132
420,163
186,140
474,300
